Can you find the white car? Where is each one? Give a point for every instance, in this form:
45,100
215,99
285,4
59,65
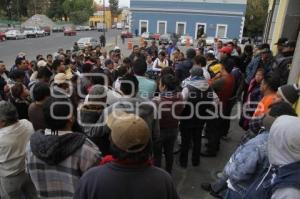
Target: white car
145,35
86,28
34,32
15,34
87,41
183,40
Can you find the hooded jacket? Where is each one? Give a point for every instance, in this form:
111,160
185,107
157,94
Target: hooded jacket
196,90
56,162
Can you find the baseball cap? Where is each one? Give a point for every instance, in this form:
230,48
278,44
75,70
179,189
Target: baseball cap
129,132
60,78
226,50
281,41
216,68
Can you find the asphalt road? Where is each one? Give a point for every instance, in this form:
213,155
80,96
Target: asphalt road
45,45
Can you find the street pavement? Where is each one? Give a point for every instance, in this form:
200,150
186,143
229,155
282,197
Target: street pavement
188,181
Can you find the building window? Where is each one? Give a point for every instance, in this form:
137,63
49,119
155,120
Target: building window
221,31
181,28
162,27
144,26
200,30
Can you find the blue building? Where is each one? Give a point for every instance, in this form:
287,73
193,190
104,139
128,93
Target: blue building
215,18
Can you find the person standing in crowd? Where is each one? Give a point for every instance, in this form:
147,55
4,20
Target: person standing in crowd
195,89
246,58
14,136
147,87
166,102
109,71
58,66
182,68
40,92
22,65
223,85
153,50
57,157
4,78
161,61
268,89
20,99
136,54
280,46
200,61
102,41
130,165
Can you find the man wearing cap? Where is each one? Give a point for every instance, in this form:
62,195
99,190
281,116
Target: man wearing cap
280,46
225,52
129,175
282,65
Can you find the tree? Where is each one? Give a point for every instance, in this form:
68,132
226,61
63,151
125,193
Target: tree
79,11
256,15
114,8
56,11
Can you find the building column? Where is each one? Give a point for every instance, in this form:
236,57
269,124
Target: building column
295,70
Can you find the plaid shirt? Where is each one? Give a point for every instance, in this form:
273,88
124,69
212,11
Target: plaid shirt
59,181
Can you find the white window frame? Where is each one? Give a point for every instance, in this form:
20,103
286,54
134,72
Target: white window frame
180,22
217,29
196,28
140,25
157,26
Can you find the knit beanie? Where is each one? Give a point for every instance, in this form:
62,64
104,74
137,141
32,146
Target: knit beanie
289,93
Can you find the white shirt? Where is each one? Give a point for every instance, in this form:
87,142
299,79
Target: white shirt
162,64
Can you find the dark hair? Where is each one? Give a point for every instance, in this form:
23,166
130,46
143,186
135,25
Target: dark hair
49,55
272,83
53,110
38,57
228,63
210,56
99,80
135,46
127,60
139,67
121,71
249,49
261,70
264,46
139,157
43,72
41,91
56,63
86,68
17,90
167,70
162,53
67,61
17,74
19,60
126,84
200,60
169,81
190,53
281,108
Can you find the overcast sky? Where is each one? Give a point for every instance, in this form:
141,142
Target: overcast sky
122,3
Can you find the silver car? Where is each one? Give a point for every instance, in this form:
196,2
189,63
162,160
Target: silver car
15,34
87,41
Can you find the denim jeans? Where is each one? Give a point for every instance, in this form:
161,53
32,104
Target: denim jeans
165,144
17,187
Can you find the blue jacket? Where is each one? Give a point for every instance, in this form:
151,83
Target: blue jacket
247,162
286,176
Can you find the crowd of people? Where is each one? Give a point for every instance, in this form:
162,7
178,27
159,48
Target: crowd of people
95,124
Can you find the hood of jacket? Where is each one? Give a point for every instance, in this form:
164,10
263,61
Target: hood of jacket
284,141
197,82
54,149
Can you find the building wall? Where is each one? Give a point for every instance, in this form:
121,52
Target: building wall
208,12
100,18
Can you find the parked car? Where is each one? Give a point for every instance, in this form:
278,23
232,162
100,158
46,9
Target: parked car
69,31
145,35
79,28
155,36
126,34
15,34
86,28
34,32
183,40
47,30
87,41
57,29
2,36
166,38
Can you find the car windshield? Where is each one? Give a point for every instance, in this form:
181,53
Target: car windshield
28,28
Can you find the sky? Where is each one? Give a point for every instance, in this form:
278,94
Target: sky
122,3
